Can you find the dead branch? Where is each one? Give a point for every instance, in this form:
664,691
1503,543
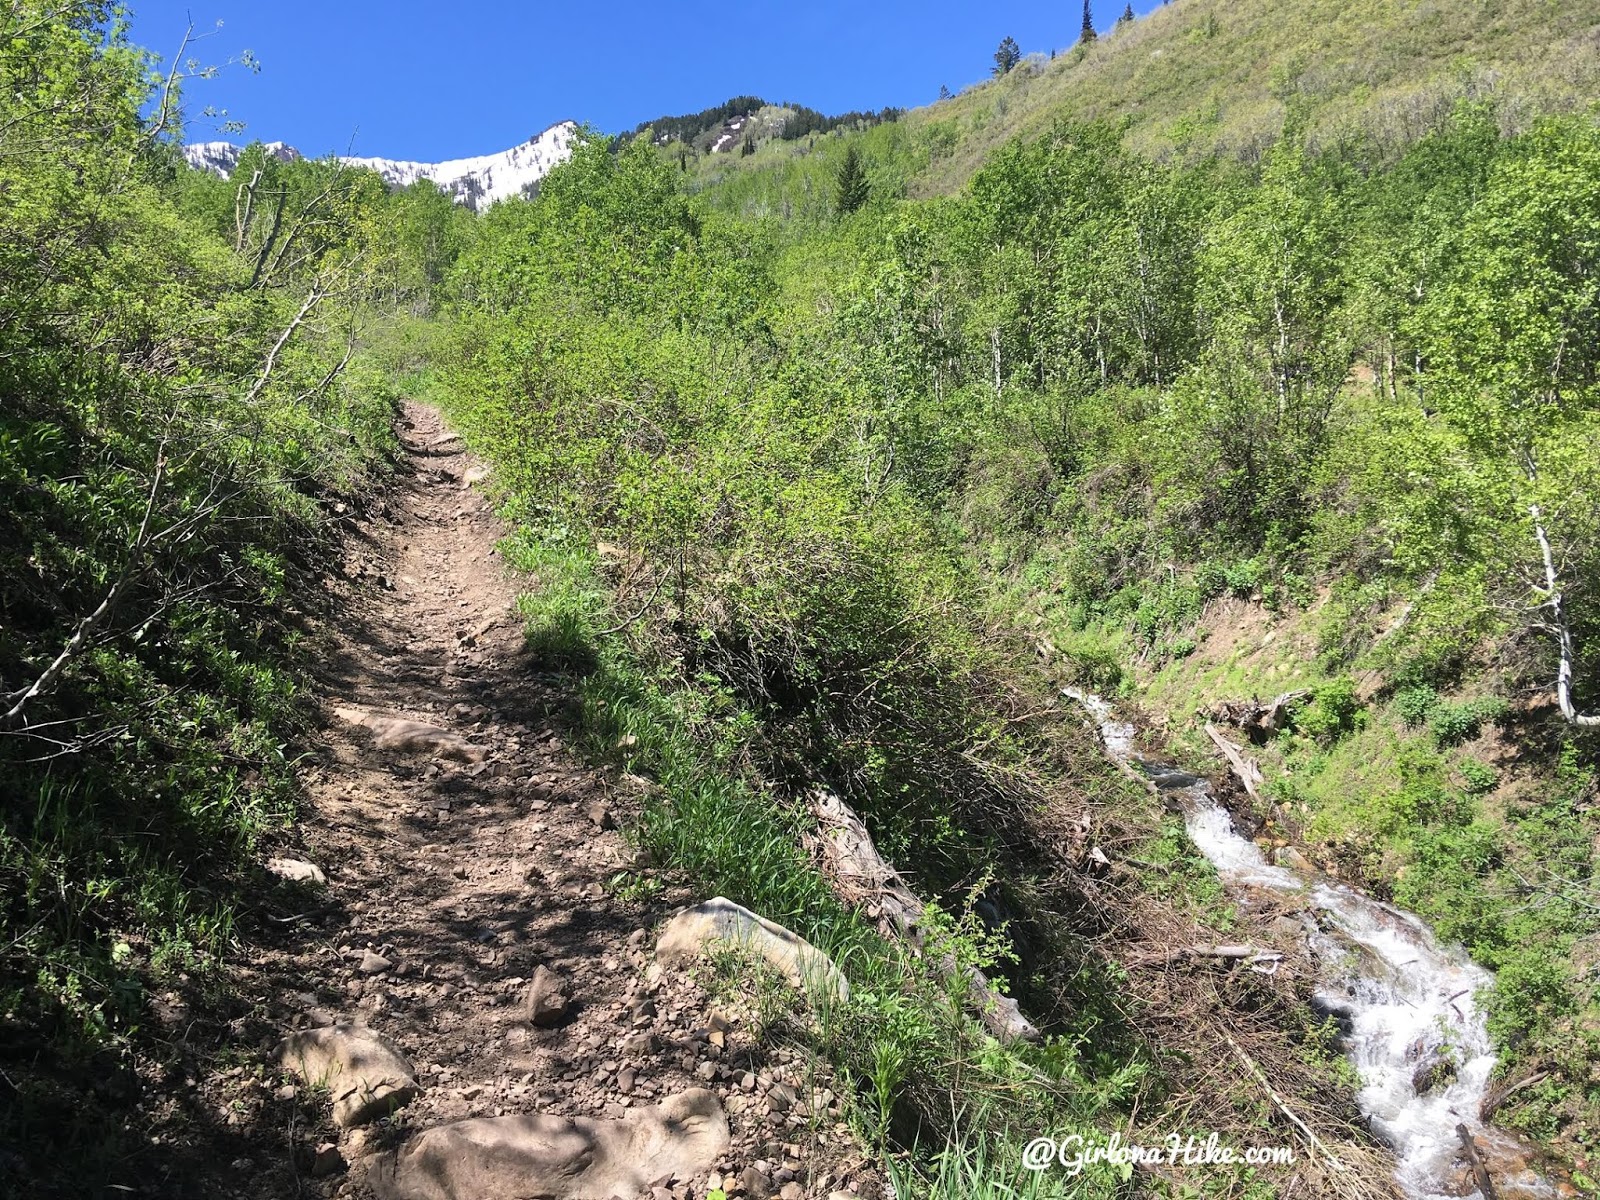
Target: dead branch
1247,770
309,214
163,115
860,876
314,297
1260,960
322,385
1563,631
1258,720
1493,1102
1480,1169
1316,1143
272,234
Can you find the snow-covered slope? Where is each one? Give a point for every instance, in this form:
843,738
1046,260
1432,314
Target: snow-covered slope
222,157
475,182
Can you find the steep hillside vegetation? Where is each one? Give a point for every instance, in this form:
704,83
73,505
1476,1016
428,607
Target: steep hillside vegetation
184,405
1198,78
1202,77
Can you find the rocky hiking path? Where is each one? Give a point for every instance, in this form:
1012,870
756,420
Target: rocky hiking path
452,1003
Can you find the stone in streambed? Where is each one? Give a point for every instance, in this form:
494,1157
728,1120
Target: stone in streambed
1435,1071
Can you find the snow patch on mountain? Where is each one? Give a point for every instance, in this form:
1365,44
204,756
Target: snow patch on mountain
475,182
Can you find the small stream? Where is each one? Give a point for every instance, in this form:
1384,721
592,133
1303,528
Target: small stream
1405,1003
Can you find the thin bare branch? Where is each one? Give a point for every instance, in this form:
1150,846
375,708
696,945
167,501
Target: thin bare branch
80,637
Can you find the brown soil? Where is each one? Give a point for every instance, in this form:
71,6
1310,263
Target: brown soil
465,878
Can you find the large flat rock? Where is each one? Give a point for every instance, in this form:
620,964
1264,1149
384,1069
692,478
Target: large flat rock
696,930
412,737
557,1158
366,1074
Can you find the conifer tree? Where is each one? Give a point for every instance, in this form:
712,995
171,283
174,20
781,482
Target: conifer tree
1126,18
1008,56
1088,34
853,189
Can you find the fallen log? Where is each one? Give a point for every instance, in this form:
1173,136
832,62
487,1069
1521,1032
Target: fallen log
1262,961
1259,720
861,877
1246,770
1480,1169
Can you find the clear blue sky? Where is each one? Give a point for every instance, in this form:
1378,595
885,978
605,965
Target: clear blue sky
434,80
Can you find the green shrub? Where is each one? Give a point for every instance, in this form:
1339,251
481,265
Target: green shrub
1533,991
1416,703
1479,777
1452,724
1332,711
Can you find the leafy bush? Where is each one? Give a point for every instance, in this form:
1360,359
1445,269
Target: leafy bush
1415,704
1480,777
1332,711
1452,724
182,402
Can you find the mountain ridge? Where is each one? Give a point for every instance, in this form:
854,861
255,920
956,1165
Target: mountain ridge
475,182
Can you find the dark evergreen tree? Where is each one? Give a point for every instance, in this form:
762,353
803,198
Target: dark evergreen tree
1126,18
1088,34
853,189
1008,56
944,91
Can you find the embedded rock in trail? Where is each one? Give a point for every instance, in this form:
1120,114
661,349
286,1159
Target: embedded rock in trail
296,870
558,1157
692,931
396,733
366,1074
546,1001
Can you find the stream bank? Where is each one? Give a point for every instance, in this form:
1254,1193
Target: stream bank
1406,1006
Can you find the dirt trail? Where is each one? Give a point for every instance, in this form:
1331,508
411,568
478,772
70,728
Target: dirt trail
453,877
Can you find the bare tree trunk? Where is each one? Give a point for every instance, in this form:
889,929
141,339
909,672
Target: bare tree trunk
1563,631
242,219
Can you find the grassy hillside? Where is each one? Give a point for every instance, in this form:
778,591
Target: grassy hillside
1202,77
1198,78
